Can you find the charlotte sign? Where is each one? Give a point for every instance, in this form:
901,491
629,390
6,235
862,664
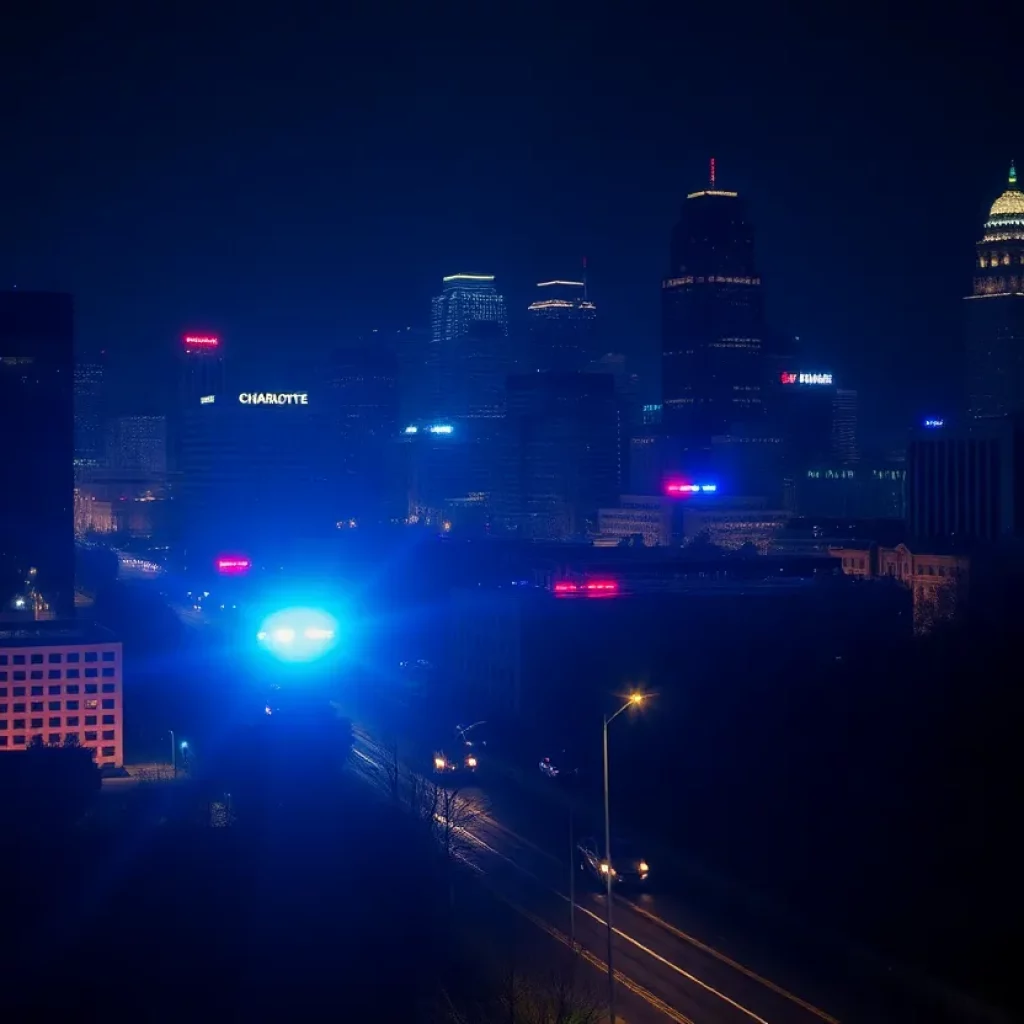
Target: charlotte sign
273,398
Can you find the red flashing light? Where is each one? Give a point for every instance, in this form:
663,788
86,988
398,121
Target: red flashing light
593,588
201,341
787,378
677,488
232,565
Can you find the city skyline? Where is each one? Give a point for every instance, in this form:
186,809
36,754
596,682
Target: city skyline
270,241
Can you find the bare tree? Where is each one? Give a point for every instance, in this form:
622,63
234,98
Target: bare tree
522,999
392,768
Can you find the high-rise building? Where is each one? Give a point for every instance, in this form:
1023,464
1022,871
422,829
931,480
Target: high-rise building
965,486
845,444
712,322
363,397
37,553
560,457
89,415
995,311
258,466
562,327
202,369
469,355
137,445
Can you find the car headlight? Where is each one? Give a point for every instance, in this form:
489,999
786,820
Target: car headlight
438,762
643,867
471,762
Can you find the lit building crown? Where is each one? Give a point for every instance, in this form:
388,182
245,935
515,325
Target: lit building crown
1009,207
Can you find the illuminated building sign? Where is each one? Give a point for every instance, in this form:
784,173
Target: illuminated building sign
680,488
271,398
233,565
207,399
934,423
201,341
412,430
440,428
593,588
805,378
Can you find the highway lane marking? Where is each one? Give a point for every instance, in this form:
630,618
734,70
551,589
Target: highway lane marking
595,961
675,967
777,989
629,938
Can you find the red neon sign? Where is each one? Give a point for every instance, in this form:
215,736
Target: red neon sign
787,378
232,565
592,588
201,340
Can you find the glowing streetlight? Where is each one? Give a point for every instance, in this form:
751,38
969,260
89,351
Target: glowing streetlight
634,700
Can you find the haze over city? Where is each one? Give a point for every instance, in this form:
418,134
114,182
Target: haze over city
511,516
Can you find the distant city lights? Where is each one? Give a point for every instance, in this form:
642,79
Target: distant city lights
440,428
207,399
805,378
680,488
933,423
201,341
592,588
412,430
233,565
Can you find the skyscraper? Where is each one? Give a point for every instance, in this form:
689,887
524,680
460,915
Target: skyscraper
363,398
89,413
712,326
562,327
137,445
560,457
202,369
995,311
37,553
468,353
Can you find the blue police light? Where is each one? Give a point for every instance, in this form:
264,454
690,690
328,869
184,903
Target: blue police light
298,634
934,423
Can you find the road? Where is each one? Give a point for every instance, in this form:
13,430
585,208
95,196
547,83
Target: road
665,972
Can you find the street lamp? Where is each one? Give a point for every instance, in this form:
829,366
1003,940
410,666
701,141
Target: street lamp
635,700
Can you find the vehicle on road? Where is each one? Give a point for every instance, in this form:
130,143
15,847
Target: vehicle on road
628,867
446,765
558,768
473,737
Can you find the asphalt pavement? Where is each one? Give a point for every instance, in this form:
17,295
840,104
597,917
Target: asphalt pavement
664,972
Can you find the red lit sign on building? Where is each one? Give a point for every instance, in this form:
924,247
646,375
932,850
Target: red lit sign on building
201,341
593,588
233,565
787,378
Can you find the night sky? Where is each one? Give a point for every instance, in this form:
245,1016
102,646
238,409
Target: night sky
288,177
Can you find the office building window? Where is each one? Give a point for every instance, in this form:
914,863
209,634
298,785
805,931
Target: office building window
91,673
107,752
108,719
108,655
73,688
91,736
108,734
53,739
108,703
37,723
55,722
91,656
90,687
109,687
73,658
90,719
54,659
36,659
107,673
53,673
72,722
72,673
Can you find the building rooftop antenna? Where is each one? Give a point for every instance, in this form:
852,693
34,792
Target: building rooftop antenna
711,175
